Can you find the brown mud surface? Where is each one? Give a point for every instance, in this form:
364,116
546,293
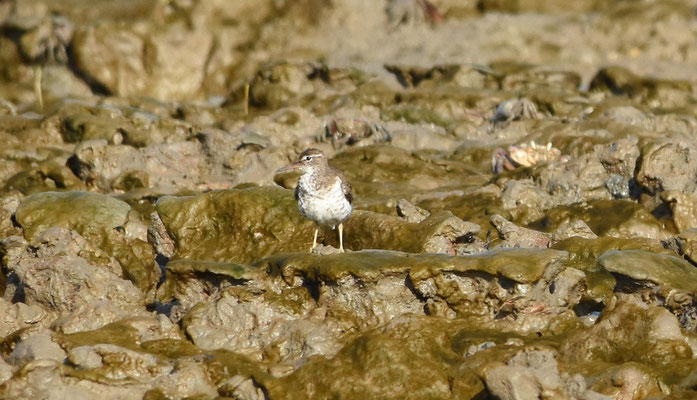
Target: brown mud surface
525,214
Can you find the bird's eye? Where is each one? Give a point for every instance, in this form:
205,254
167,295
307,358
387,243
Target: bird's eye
307,158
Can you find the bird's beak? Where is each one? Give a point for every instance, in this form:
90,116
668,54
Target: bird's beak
288,168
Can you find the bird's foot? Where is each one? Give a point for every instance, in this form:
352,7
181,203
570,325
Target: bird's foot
322,249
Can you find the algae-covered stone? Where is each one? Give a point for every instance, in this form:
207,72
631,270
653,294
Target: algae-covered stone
629,332
683,207
91,214
614,218
585,252
668,163
98,218
258,222
86,286
519,265
661,269
435,234
190,281
235,225
411,358
380,170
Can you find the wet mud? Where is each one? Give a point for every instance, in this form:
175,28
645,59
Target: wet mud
525,193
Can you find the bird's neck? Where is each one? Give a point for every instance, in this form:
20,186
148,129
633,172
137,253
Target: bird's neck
315,178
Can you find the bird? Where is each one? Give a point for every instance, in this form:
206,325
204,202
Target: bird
323,193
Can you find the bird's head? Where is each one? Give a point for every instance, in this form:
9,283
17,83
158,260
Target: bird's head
308,160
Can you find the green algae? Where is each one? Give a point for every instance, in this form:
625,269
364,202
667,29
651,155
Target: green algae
258,222
180,270
476,207
91,214
368,230
221,364
519,265
230,270
615,218
661,269
118,333
408,359
374,93
382,174
626,333
49,175
97,217
583,255
170,348
238,226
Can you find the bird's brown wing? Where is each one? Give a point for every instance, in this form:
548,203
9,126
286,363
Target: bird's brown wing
297,192
346,188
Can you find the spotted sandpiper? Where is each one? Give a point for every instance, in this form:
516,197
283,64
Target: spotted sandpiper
323,192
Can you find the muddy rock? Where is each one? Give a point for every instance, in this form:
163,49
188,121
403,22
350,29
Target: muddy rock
629,381
619,157
683,208
172,165
188,378
437,233
8,206
379,355
583,255
627,115
134,62
684,244
241,387
137,140
617,218
649,335
19,315
98,164
246,155
515,236
639,265
85,281
85,357
267,217
380,170
35,344
249,210
116,123
532,373
410,212
567,288
100,219
89,213
351,285
6,371
668,164
655,92
578,179
525,193
573,229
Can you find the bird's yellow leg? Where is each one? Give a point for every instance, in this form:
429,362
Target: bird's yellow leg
341,237
38,73
314,241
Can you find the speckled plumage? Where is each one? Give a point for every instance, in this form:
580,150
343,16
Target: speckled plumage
324,194
324,199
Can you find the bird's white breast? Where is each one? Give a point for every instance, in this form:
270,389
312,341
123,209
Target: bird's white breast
326,205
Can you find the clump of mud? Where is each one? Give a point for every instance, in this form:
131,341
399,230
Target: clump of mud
525,183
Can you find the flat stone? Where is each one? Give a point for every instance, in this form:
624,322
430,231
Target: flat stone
520,265
661,269
88,213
